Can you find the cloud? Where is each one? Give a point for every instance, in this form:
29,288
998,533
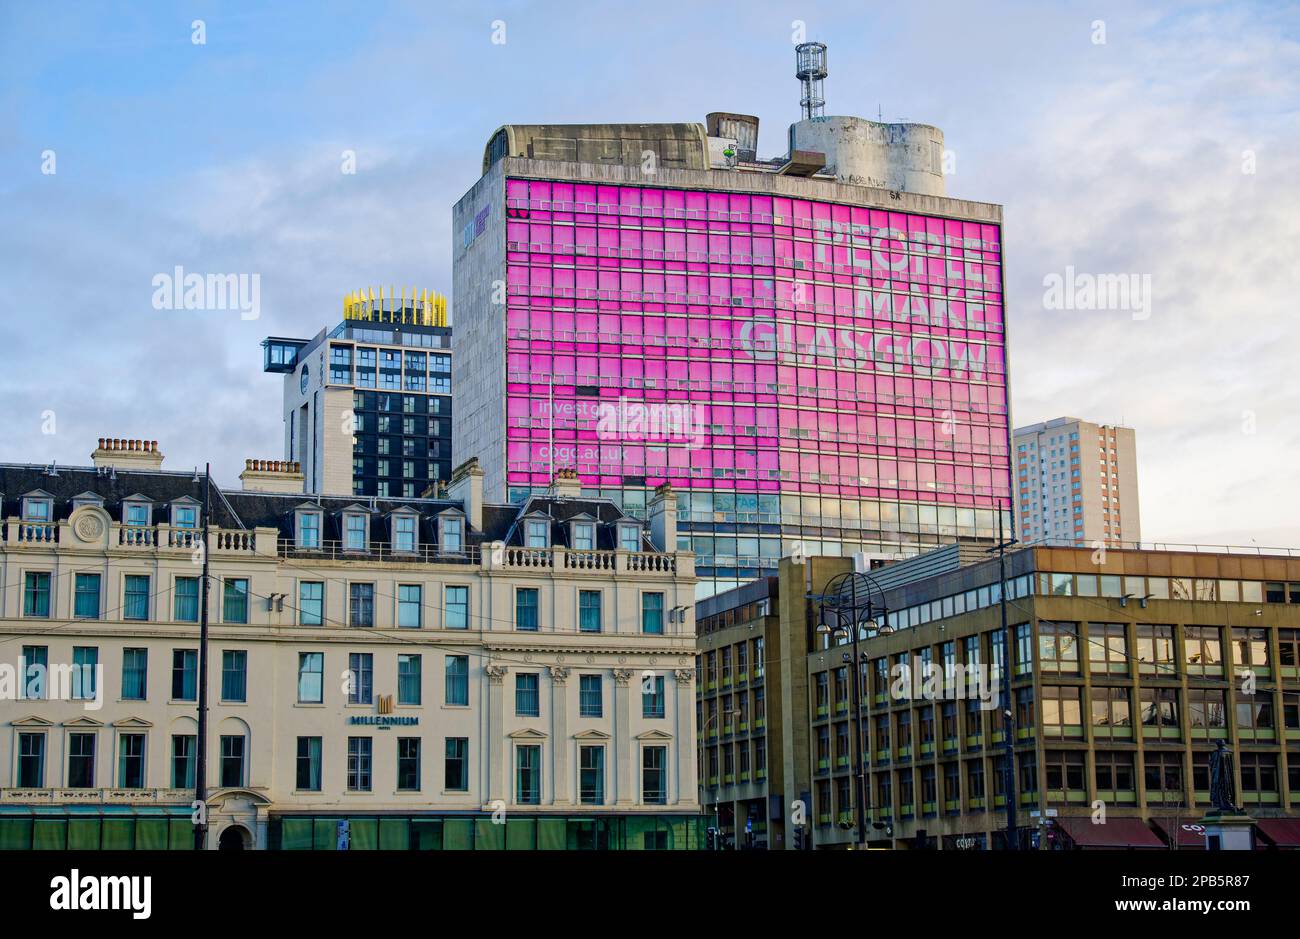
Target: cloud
1143,173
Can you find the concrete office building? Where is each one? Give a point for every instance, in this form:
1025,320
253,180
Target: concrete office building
1076,483
752,702
809,349
1125,676
367,408
390,673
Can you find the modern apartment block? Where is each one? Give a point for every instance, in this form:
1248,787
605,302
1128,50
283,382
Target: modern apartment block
1126,675
1076,483
367,408
809,349
385,673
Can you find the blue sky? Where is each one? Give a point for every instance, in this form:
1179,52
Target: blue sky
1122,156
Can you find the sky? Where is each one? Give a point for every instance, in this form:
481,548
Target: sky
1157,140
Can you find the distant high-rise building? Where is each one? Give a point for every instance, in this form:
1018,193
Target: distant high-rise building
810,349
1077,482
367,408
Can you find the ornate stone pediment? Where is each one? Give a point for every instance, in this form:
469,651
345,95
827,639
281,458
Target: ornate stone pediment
527,733
654,735
83,722
32,721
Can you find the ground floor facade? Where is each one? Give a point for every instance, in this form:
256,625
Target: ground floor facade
170,828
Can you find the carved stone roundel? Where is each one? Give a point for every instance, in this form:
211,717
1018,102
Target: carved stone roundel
89,528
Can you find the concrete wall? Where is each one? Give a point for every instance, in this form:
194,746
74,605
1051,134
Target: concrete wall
901,157
478,369
924,203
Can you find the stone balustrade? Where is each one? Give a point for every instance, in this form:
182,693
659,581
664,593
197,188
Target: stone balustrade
17,533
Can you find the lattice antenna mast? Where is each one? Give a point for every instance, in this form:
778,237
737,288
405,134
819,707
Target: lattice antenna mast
810,69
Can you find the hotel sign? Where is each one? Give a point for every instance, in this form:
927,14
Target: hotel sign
385,718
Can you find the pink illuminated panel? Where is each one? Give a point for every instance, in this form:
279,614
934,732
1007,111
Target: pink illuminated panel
753,343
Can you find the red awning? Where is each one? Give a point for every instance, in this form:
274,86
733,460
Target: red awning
1282,832
1114,833
1190,833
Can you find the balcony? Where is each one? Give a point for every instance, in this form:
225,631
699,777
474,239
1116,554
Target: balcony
89,533
110,796
499,557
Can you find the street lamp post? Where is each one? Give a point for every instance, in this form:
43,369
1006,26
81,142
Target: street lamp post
847,621
704,735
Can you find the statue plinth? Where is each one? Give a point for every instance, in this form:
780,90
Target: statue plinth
1228,830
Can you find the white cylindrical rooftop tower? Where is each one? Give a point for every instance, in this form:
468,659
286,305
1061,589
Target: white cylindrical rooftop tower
902,157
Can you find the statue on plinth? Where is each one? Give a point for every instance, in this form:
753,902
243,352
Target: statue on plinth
1223,789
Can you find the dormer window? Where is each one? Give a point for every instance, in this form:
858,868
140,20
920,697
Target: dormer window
309,524
584,536
185,513
629,537
137,514
355,534
38,507
87,498
537,534
405,533
451,534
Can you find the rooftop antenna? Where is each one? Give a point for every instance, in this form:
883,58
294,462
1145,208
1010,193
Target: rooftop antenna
810,69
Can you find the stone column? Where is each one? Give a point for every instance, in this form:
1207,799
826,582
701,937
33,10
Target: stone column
684,710
493,750
624,745
560,794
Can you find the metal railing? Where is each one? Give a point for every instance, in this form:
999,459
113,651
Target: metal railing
1112,545
377,551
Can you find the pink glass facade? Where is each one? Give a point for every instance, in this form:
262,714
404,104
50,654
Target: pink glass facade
824,349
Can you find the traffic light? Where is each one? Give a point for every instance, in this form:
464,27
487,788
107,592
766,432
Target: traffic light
711,840
798,837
